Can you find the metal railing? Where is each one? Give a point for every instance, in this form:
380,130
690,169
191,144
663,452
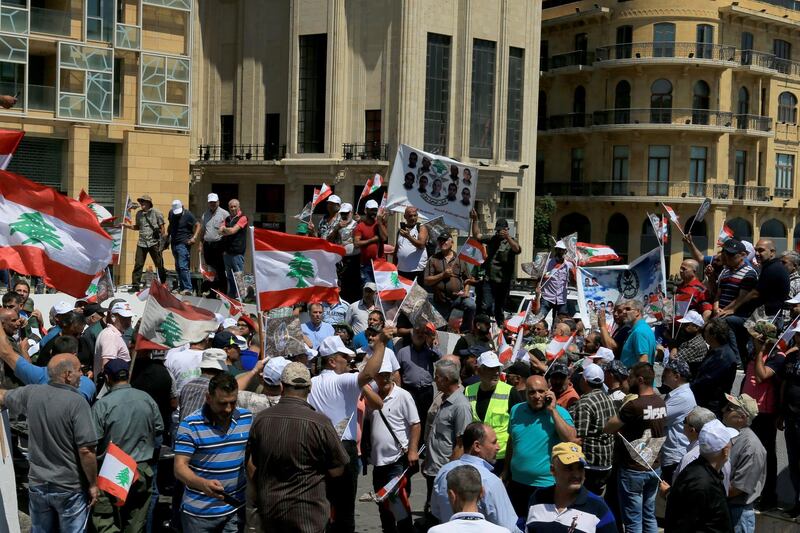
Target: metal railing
570,120
51,21
752,122
41,97
672,116
670,189
569,59
241,152
783,193
667,50
373,150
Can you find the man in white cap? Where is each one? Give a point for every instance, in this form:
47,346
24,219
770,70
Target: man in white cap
329,221
591,412
697,500
491,401
234,241
553,290
184,230
335,393
693,348
342,233
110,344
369,237
211,245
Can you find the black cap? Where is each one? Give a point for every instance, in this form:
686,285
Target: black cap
558,368
94,309
475,350
521,369
483,319
443,236
501,223
733,246
225,339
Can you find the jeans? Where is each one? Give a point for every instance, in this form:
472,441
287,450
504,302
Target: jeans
181,254
596,480
765,428
743,518
231,523
547,305
141,256
381,475
465,304
494,299
791,433
637,500
233,263
740,336
56,509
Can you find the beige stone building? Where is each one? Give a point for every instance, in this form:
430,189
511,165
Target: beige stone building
645,101
104,91
289,94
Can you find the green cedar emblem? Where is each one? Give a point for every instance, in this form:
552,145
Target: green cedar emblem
38,231
301,268
171,331
124,477
394,279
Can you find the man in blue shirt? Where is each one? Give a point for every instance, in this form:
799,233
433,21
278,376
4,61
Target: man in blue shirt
315,329
641,343
680,402
480,451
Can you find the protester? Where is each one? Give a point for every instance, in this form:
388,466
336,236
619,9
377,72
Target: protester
552,291
342,233
640,345
357,316
110,343
693,349
416,367
183,364
791,262
516,376
449,279
72,325
789,418
316,330
680,402
558,378
376,322
411,253
464,491
772,289
192,395
498,267
735,299
212,247
184,230
234,244
715,376
692,425
369,237
621,330
149,222
590,413
335,313
481,335
232,345
89,336
692,290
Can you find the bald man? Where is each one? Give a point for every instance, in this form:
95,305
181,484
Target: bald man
61,447
10,324
691,292
411,253
772,289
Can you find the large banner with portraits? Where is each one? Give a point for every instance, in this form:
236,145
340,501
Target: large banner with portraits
437,186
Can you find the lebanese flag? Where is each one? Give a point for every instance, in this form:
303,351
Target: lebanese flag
101,288
595,253
786,336
682,304
44,233
725,234
168,322
206,271
394,496
115,232
102,214
558,346
130,205
391,285
290,269
117,474
372,185
320,195
9,140
673,216
473,252
504,351
233,305
382,207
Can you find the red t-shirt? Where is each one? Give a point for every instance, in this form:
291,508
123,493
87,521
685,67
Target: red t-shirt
371,251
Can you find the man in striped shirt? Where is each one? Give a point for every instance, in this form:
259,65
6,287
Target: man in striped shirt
209,460
736,299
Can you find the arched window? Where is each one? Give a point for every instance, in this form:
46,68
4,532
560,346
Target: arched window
741,228
617,235
774,230
699,236
700,103
622,103
575,223
705,41
787,108
664,39
579,106
661,102
542,118
648,240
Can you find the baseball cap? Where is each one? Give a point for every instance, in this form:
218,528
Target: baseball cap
679,366
444,236
763,330
212,197
273,370
692,317
616,368
558,368
520,368
489,359
346,208
62,308
333,199
501,223
733,246
296,375
593,373
794,300
568,453
122,309
333,345
226,339
117,370
371,286
177,207
214,359
602,354
746,403
714,436
560,245
145,198
371,204
229,323
94,309
475,350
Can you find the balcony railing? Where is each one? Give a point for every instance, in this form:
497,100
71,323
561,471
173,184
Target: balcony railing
783,193
51,21
241,152
373,150
666,51
670,189
570,120
570,59
41,97
666,116
753,122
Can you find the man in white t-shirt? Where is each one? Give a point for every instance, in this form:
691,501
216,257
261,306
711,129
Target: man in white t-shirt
183,364
464,489
357,315
410,251
335,393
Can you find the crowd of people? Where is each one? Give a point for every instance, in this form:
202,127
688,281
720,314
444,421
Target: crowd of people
583,442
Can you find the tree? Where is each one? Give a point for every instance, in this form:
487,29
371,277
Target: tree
542,217
38,231
123,477
300,267
394,279
171,331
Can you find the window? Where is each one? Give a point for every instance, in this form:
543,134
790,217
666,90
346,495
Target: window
103,173
661,102
579,107
86,79
576,169
226,136
544,55
704,48
658,170
437,93
784,175
372,133
700,103
617,235
739,174
787,108
507,207
541,118
581,46
272,134
622,103
164,100
100,20
782,50
746,48
664,39
119,75
311,94
516,73
697,171
774,230
743,109
270,204
481,127
41,159
624,47
619,170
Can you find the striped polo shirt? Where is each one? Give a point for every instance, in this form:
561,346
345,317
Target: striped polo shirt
587,514
730,282
214,454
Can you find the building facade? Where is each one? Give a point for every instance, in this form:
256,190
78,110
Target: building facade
645,102
293,93
104,92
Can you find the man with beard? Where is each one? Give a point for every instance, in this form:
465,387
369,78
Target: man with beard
411,254
615,341
717,372
448,278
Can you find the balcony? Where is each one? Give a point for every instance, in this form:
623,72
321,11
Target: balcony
638,190
51,21
240,152
666,52
577,60
368,151
41,98
568,121
664,118
753,125
766,63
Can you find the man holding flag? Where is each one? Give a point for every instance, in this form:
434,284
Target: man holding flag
498,267
150,225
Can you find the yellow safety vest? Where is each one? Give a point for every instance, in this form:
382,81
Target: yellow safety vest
496,414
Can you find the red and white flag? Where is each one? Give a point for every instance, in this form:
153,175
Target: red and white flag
290,269
101,288
394,496
473,252
234,306
115,232
168,322
788,333
117,474
320,195
391,285
44,233
504,351
372,185
382,207
682,304
595,253
206,271
130,206
9,140
673,216
102,214
725,234
558,346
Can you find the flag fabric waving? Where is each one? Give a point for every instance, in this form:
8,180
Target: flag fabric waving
118,473
595,253
168,322
725,234
320,195
290,269
473,252
660,227
130,205
102,214
372,185
44,233
234,306
115,232
9,140
504,350
101,288
391,285
673,216
558,346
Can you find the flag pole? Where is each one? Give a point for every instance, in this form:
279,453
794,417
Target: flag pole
631,447
792,323
673,314
670,218
262,355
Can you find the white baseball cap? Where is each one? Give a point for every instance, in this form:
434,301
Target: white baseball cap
214,358
122,309
794,300
371,204
177,207
603,354
333,345
346,208
273,370
715,436
692,317
593,373
333,199
212,197
219,318
62,307
229,323
489,359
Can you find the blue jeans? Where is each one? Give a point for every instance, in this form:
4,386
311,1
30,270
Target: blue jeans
232,523
56,509
181,254
637,500
233,263
743,518
546,306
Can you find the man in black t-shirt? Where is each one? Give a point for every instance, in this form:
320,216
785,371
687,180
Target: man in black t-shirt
501,252
183,232
790,417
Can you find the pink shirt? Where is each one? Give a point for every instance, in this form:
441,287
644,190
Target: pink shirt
764,393
110,345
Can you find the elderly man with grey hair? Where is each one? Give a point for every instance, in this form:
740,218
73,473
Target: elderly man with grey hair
641,343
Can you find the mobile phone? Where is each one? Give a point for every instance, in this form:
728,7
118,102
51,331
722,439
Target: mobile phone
548,400
230,500
402,225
